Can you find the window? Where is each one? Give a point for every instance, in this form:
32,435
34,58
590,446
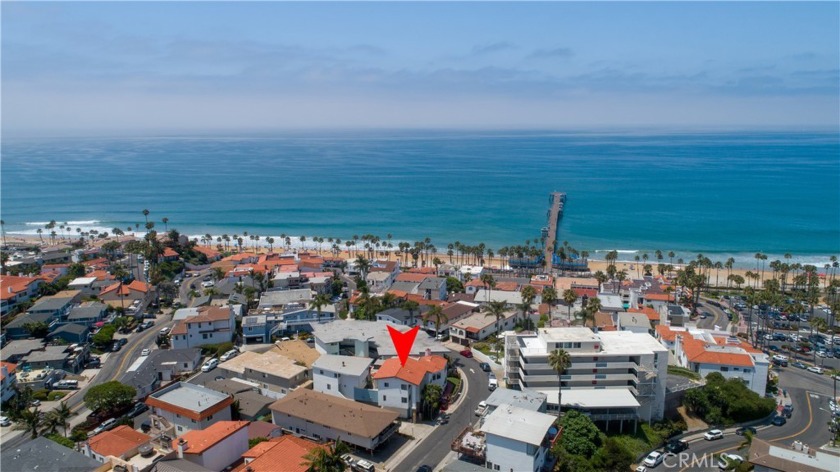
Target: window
576,345
404,387
405,400
724,369
384,398
321,371
386,384
204,336
329,387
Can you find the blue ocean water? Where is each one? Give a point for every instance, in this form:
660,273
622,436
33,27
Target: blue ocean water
716,193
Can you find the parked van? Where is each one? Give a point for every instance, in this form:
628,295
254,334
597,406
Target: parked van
105,426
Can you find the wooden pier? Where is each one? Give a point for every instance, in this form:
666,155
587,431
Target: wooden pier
555,212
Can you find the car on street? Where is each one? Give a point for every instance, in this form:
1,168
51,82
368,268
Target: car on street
145,352
164,330
94,362
779,421
467,353
207,284
5,421
364,466
746,429
484,366
653,459
424,468
728,460
482,407
210,365
713,435
116,347
492,383
799,365
348,460
815,369
105,426
123,341
675,446
229,355
137,410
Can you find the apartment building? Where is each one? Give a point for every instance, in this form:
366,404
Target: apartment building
183,407
614,375
212,325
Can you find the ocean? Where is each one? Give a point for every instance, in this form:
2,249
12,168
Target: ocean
720,194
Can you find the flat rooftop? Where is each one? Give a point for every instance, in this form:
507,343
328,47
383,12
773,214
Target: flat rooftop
377,333
627,342
343,364
188,396
566,335
269,362
528,399
590,398
518,424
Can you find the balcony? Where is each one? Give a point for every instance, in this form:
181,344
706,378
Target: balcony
471,444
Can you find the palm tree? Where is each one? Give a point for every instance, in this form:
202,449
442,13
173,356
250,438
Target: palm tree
592,306
569,297
549,296
30,422
437,316
835,374
747,442
327,459
3,230
146,215
363,264
320,301
495,308
165,221
488,282
559,360
410,306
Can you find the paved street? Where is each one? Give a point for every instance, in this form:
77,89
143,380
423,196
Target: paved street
436,445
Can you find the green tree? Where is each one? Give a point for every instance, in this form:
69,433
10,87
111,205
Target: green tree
453,285
109,395
580,435
569,297
613,457
254,441
559,360
410,306
495,308
104,336
37,329
549,296
436,316
431,399
62,413
327,459
364,265
320,301
30,422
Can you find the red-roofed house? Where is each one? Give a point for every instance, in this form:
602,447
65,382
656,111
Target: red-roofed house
652,315
210,254
118,294
122,442
287,453
214,447
15,290
212,325
704,353
96,264
8,379
401,387
170,255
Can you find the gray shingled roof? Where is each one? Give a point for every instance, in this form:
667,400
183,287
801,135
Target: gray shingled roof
44,455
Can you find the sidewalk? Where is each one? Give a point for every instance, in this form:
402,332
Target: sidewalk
419,431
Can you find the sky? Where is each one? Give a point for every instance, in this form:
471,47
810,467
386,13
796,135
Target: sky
83,67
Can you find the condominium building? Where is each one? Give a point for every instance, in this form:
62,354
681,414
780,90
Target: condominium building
616,375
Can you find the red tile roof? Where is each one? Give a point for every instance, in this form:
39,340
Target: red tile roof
10,368
664,332
126,289
99,261
209,253
200,440
11,285
423,270
117,441
413,371
660,297
286,453
652,314
169,252
409,277
698,351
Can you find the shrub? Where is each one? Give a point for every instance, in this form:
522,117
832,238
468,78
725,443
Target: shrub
61,440
580,435
53,396
724,402
41,395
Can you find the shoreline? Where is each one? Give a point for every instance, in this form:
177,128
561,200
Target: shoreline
259,247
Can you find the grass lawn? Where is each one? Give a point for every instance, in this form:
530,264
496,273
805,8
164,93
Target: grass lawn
683,372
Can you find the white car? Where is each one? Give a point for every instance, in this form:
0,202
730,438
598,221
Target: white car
821,354
209,365
493,383
145,352
727,460
164,330
5,421
229,355
713,435
207,284
815,369
653,459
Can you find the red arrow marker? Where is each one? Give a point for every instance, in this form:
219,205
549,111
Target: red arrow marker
403,342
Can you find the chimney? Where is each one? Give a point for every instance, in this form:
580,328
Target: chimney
182,446
342,364
428,352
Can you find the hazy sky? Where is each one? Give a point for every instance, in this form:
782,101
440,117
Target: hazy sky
99,67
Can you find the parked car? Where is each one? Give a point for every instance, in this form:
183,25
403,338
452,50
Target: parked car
116,347
94,362
164,330
484,366
145,352
207,284
424,468
66,385
467,353
105,426
713,435
728,460
364,466
229,355
653,459
799,365
5,421
744,430
816,370
779,421
137,410
348,460
492,383
210,365
482,407
123,341
147,324
675,446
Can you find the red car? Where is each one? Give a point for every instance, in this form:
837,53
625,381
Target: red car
467,353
